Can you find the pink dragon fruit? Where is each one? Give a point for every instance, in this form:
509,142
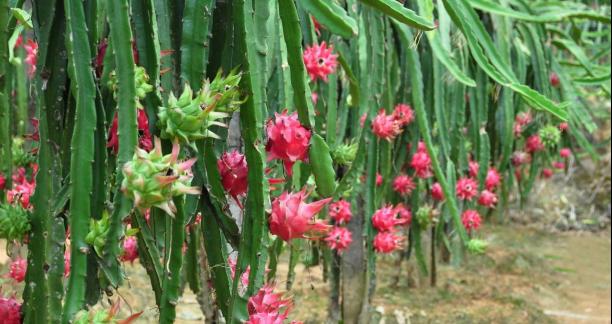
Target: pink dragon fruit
130,249
403,114
292,217
234,172
421,162
340,211
17,269
10,311
492,180
403,185
386,218
320,61
534,144
471,220
467,188
339,239
436,192
387,242
287,139
487,199
385,126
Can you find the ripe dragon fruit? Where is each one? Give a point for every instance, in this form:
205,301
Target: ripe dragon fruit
487,199
130,249
144,135
403,114
152,179
473,169
10,311
554,80
534,144
565,153
320,61
471,220
386,218
547,173
244,278
385,126
403,185
292,217
339,239
387,242
234,172
467,188
188,118
436,192
340,211
493,179
267,301
14,222
287,139
17,269
519,158
404,214
421,162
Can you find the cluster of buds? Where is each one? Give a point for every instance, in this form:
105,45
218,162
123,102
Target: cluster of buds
153,179
189,117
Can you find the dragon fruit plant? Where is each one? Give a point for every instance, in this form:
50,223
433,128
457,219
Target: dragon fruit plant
203,139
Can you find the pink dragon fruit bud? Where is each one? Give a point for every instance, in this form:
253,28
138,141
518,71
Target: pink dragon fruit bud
130,249
292,217
403,185
421,162
287,139
10,311
558,165
17,269
473,169
315,97
563,126
385,126
339,239
320,61
471,220
403,114
234,172
386,218
547,173
387,242
340,211
565,153
492,180
517,130
467,188
244,278
436,192
534,144
403,214
523,118
316,25
487,199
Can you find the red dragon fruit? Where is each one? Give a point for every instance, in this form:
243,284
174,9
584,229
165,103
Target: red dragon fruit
339,239
467,188
471,220
340,211
144,135
554,79
403,185
320,61
17,269
547,173
565,153
487,199
130,249
10,311
404,214
386,218
387,242
385,126
287,139
534,144
403,114
436,192
473,169
234,171
292,217
421,162
244,278
492,180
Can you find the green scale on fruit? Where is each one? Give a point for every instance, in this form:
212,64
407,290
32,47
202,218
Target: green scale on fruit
151,179
189,118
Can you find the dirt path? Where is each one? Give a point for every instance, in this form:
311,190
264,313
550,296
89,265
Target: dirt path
527,275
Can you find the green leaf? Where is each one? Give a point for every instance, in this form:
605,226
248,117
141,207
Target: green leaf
404,15
23,17
332,16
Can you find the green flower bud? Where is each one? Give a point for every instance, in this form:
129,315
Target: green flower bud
551,135
98,230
